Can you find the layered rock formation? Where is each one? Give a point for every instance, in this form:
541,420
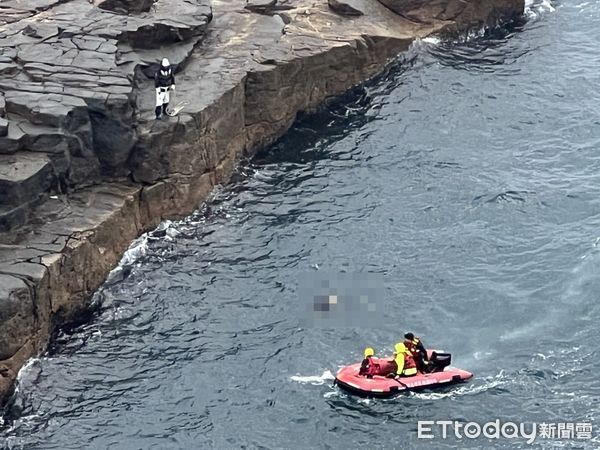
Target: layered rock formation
85,168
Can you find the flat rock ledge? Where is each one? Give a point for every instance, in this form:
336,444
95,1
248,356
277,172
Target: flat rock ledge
85,168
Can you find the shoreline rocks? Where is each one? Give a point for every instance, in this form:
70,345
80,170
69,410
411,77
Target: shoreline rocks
85,168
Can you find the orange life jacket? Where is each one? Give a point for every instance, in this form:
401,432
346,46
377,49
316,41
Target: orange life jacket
369,367
409,362
407,366
413,346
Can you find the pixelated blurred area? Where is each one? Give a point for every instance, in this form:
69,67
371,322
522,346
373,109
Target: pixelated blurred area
332,300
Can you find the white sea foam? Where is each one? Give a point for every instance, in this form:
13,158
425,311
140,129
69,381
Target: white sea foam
139,248
26,368
472,388
419,47
26,371
482,355
537,8
316,380
433,40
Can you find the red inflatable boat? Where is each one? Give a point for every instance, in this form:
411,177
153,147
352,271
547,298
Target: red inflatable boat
441,374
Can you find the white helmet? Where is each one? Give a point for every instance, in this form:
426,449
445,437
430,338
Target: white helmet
165,62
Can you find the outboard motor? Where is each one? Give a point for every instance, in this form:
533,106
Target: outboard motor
439,361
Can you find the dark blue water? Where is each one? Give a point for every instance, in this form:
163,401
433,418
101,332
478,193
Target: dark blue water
468,177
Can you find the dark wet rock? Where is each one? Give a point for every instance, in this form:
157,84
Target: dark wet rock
30,31
126,6
167,31
2,105
54,143
286,18
260,5
113,139
171,22
3,126
11,217
345,7
268,7
12,142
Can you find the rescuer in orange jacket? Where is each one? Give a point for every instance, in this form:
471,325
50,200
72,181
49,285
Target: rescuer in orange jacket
368,367
405,363
416,348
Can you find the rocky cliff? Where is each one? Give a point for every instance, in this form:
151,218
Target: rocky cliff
85,168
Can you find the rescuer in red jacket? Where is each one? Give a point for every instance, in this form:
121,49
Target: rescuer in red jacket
368,367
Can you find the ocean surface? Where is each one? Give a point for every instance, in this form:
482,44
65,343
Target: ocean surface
467,178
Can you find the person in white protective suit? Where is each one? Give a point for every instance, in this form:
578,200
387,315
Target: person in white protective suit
164,82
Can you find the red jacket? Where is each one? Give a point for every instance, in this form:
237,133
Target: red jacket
369,367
